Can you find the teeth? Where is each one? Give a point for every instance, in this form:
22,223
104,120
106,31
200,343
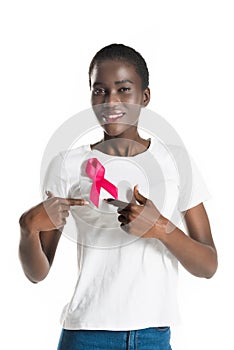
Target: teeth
113,116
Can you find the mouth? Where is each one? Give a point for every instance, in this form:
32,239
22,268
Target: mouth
112,116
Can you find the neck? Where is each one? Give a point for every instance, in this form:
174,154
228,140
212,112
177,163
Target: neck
122,145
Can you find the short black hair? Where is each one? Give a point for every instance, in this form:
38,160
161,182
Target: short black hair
124,53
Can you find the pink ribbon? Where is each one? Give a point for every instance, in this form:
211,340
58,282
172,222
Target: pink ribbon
96,171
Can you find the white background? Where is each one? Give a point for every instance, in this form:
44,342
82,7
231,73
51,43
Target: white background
46,47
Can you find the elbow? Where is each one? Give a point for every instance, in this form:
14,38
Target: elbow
207,267
210,273
210,263
34,274
210,268
205,273
31,280
36,278
213,266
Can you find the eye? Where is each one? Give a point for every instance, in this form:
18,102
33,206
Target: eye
99,91
125,89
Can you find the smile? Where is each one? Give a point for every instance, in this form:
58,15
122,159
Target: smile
112,116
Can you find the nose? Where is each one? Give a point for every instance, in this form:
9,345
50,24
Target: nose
112,98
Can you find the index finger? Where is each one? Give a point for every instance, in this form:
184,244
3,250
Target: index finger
76,201
117,203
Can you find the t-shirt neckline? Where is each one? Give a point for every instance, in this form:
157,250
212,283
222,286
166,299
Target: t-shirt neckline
148,149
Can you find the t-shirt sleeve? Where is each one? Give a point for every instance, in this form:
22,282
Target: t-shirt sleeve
56,179
193,189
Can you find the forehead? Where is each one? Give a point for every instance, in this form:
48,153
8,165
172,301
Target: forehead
112,70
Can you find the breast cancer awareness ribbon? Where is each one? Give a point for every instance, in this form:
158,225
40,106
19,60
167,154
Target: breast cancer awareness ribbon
96,171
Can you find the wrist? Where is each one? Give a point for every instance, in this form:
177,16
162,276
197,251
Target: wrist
26,226
163,228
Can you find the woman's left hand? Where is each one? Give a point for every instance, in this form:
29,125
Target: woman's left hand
143,219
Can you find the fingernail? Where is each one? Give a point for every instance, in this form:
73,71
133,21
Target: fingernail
48,193
86,202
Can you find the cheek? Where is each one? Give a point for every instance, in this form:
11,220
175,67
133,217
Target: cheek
96,99
136,98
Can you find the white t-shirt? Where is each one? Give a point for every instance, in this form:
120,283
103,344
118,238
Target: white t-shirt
124,282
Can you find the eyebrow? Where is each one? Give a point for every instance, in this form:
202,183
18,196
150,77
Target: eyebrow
116,82
123,81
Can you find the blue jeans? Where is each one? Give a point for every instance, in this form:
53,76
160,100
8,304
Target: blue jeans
153,338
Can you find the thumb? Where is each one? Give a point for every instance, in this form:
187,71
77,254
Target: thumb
49,194
140,199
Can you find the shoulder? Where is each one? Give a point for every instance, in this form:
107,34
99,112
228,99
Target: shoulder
170,157
75,154
68,160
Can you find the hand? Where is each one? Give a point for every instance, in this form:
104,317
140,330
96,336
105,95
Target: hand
143,219
50,214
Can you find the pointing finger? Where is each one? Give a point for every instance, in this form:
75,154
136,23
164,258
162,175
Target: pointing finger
117,203
76,201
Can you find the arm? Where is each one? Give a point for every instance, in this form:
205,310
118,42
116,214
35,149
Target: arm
41,228
34,260
36,251
196,252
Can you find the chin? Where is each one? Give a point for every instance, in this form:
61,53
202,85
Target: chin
115,130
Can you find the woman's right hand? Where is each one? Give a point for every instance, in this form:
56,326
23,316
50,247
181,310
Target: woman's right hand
48,215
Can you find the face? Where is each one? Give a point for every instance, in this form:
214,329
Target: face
117,96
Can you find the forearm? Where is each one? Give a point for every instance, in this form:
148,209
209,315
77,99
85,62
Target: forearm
198,258
34,261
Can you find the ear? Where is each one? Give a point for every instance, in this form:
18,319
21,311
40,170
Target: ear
146,97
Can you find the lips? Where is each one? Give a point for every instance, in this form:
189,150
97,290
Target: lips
112,116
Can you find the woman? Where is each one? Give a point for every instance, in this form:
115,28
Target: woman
129,245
